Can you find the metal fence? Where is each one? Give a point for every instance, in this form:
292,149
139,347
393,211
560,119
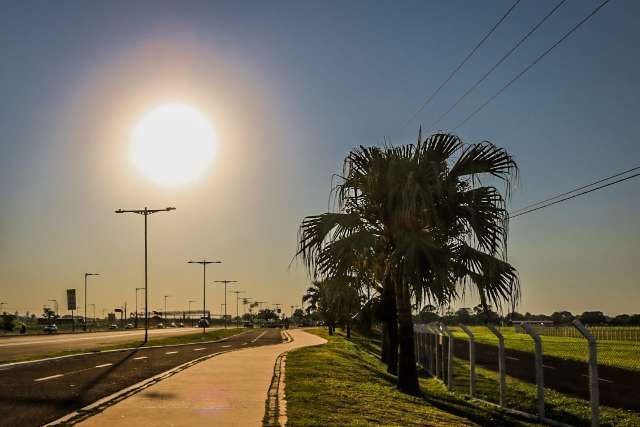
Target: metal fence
537,374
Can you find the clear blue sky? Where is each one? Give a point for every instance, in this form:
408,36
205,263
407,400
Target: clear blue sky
291,86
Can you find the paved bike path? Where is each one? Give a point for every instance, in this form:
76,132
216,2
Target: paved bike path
226,390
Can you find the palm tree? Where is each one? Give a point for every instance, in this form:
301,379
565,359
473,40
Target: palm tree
426,215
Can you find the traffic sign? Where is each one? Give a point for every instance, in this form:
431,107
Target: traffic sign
71,299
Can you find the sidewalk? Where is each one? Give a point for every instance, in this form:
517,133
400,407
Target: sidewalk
226,390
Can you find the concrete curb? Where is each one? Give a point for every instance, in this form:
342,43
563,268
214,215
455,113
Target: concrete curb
51,359
275,405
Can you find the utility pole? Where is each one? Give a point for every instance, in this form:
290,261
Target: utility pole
137,289
94,312
226,282
146,212
204,264
237,311
85,296
190,301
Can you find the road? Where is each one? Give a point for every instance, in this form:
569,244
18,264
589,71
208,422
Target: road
14,348
37,393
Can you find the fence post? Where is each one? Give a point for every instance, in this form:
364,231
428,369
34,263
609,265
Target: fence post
472,359
436,350
594,384
539,369
449,356
501,363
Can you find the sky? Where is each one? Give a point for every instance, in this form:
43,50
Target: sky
289,88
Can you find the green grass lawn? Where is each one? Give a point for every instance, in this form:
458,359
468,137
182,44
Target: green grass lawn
623,354
197,337
522,396
343,383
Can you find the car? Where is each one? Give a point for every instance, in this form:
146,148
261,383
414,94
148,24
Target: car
51,329
172,325
113,326
203,323
247,324
129,326
160,325
181,325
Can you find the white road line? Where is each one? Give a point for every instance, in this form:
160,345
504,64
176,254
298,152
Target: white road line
258,337
140,358
548,367
48,378
171,352
199,349
225,346
104,365
511,358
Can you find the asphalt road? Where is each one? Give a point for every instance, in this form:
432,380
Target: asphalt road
36,393
13,348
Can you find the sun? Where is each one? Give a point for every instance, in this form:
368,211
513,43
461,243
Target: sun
173,144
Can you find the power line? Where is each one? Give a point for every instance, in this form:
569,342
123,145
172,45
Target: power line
528,67
464,61
497,64
575,195
575,189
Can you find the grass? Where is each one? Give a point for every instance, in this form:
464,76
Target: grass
622,354
194,338
343,383
522,396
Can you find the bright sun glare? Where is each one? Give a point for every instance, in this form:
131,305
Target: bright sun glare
173,144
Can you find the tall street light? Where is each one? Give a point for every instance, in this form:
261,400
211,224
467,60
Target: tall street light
146,212
204,264
237,301
85,296
137,289
190,301
226,282
165,307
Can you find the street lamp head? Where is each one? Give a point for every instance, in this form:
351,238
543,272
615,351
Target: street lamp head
170,209
119,211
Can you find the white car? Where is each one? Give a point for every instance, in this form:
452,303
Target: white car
129,326
51,329
160,325
172,325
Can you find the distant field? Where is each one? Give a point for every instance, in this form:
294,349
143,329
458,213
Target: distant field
623,354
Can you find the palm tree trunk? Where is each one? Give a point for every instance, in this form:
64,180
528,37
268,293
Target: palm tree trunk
407,372
389,326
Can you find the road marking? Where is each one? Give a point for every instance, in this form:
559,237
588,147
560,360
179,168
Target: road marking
140,358
199,349
104,365
258,337
225,346
48,378
548,367
171,352
511,358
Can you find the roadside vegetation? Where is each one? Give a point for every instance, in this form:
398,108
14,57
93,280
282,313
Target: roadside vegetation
413,224
345,383
195,338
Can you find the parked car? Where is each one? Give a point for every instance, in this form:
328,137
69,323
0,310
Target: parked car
50,329
160,325
129,326
181,325
247,324
172,325
203,323
113,326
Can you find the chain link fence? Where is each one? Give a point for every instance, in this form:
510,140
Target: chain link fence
553,374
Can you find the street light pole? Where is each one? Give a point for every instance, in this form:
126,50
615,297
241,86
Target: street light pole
165,307
146,212
204,264
237,301
85,296
226,282
137,289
